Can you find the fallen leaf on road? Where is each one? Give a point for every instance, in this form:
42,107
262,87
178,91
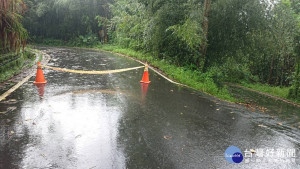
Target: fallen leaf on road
171,90
167,137
260,125
252,151
3,112
11,108
217,109
28,119
233,118
185,106
78,136
12,100
12,132
43,155
33,123
280,124
181,113
231,112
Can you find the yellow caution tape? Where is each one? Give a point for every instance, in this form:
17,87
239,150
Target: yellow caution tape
92,72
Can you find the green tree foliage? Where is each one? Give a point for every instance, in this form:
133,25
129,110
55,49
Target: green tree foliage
295,90
65,19
167,29
258,34
12,33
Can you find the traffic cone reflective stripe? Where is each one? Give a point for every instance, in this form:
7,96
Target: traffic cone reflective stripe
39,79
145,78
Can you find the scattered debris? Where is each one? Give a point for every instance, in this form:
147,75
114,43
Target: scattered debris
217,109
43,155
11,109
260,125
185,106
280,124
3,112
252,151
171,90
231,112
10,101
233,118
10,134
167,137
78,136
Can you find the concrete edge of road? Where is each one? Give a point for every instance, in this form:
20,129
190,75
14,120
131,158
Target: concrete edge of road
45,59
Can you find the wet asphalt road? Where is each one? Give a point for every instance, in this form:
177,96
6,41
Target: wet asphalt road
112,121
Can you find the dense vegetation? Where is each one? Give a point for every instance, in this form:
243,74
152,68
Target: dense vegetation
12,33
214,41
13,39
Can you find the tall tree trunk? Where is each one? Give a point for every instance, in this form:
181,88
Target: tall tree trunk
297,85
271,70
203,47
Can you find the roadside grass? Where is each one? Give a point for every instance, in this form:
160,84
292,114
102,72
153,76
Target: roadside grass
272,90
13,63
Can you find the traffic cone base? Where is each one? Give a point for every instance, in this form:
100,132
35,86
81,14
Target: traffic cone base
39,79
40,82
145,82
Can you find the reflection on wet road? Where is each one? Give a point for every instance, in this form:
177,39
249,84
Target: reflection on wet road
112,121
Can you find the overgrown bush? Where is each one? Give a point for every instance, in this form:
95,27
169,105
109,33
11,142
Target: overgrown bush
234,71
87,40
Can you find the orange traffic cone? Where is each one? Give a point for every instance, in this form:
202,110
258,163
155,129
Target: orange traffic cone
39,79
145,78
